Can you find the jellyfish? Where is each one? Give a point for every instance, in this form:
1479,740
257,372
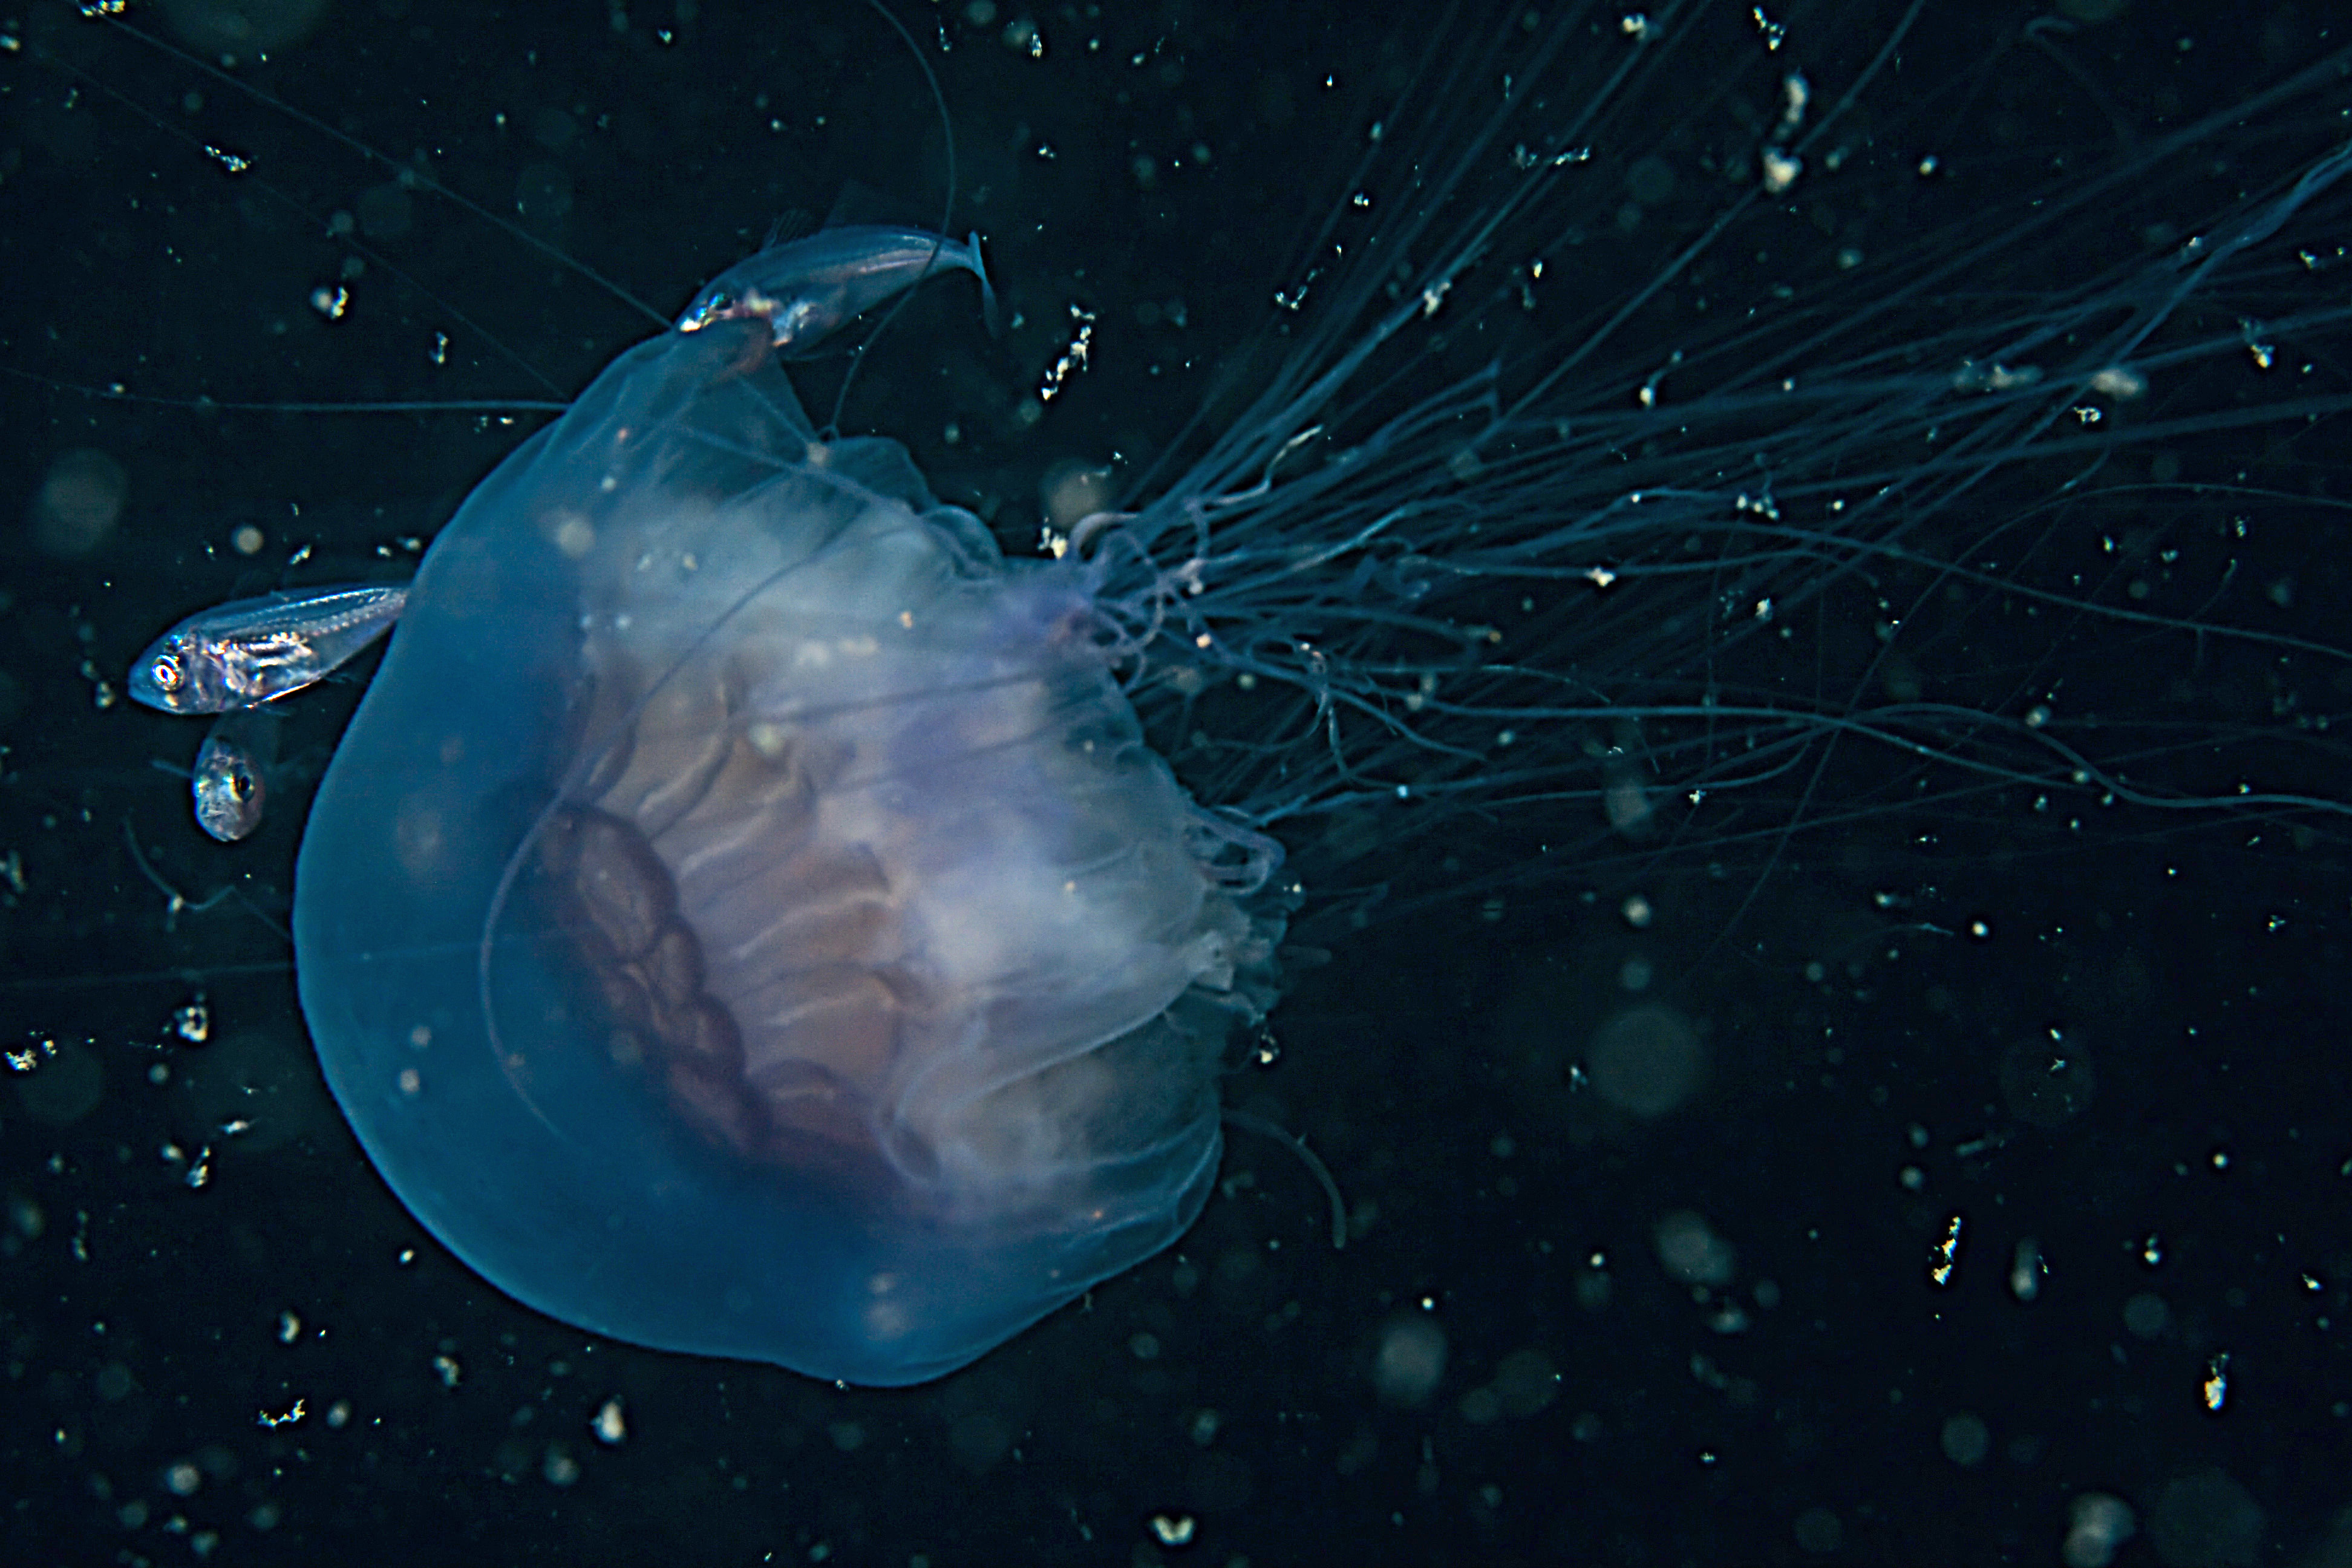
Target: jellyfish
795,953
1484,570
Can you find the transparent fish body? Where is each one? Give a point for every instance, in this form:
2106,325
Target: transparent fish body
252,650
807,287
231,778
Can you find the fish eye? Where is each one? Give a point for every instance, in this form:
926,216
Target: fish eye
166,671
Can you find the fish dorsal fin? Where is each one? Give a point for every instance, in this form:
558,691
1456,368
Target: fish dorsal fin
791,224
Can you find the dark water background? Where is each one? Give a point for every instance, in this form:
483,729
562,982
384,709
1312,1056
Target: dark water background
1709,1336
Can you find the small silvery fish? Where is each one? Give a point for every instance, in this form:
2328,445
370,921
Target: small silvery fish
251,651
806,288
231,780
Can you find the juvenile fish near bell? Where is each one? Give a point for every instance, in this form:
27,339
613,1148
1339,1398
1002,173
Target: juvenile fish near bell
806,288
251,651
231,778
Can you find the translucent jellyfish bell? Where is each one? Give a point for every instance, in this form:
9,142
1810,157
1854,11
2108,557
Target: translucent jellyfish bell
743,916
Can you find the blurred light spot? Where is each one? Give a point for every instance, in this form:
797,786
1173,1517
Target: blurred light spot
63,1087
2096,1527
1073,490
1692,1252
1646,1060
1965,1440
2206,1520
544,193
1410,1361
2147,1316
1819,1531
386,212
79,503
240,29
1526,1382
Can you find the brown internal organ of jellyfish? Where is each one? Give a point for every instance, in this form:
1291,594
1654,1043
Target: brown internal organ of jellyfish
772,1043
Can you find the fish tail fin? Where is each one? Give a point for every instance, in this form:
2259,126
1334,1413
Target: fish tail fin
991,313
